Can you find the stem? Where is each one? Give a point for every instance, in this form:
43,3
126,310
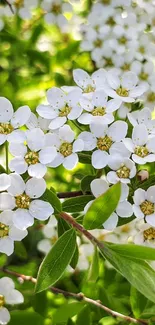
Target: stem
10,6
77,296
6,157
82,230
64,195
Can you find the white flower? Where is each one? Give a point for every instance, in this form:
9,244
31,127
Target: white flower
124,208
5,182
61,107
144,71
98,108
143,116
37,122
10,121
34,156
145,235
144,204
89,84
125,87
105,140
123,169
54,12
141,145
10,296
66,147
9,232
50,233
25,200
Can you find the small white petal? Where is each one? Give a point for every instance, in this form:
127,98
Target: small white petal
38,170
56,97
129,144
57,122
5,182
139,196
66,133
112,178
3,138
4,316
35,139
21,116
71,161
57,161
129,80
150,194
111,222
17,186
14,297
98,187
16,234
6,110
88,139
35,187
151,219
16,136
78,145
100,159
18,165
138,160
47,155
7,202
82,78
85,118
22,219
6,246
124,209
118,130
47,111
40,210
137,212
151,145
140,135
17,149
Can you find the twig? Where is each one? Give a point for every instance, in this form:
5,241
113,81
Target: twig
64,195
77,296
10,6
81,229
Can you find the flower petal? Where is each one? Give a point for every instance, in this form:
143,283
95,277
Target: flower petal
47,111
124,209
4,316
98,187
18,165
5,182
17,149
140,135
6,246
151,219
7,201
22,219
38,170
150,194
111,222
40,210
88,139
6,110
47,154
66,133
21,116
57,122
35,187
17,186
100,159
71,161
35,139
78,145
118,130
14,297
139,196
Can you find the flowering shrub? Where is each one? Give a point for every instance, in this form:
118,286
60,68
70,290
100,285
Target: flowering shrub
77,184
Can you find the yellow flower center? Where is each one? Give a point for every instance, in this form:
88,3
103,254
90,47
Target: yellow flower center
147,207
98,111
89,89
98,43
5,128
66,149
126,67
123,172
151,97
122,92
149,234
53,239
110,21
143,76
2,301
122,40
106,2
142,49
65,111
32,158
18,3
108,62
4,230
23,201
104,143
141,151
56,9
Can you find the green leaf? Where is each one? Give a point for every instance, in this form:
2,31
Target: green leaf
102,207
84,316
50,197
94,267
56,261
84,158
24,317
138,302
66,311
137,272
134,251
20,250
75,258
85,183
76,204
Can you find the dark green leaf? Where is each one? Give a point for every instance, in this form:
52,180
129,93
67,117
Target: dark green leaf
76,204
85,183
84,158
134,251
24,317
137,272
20,250
75,258
102,207
84,316
66,311
138,302
50,197
56,261
94,267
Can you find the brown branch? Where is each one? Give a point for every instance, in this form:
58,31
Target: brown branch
64,195
10,6
81,229
77,296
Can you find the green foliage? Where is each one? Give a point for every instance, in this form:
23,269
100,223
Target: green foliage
51,197
94,267
56,261
76,204
84,316
85,183
102,207
66,311
134,251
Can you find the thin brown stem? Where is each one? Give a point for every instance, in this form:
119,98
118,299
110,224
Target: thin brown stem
65,195
80,228
77,296
10,6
